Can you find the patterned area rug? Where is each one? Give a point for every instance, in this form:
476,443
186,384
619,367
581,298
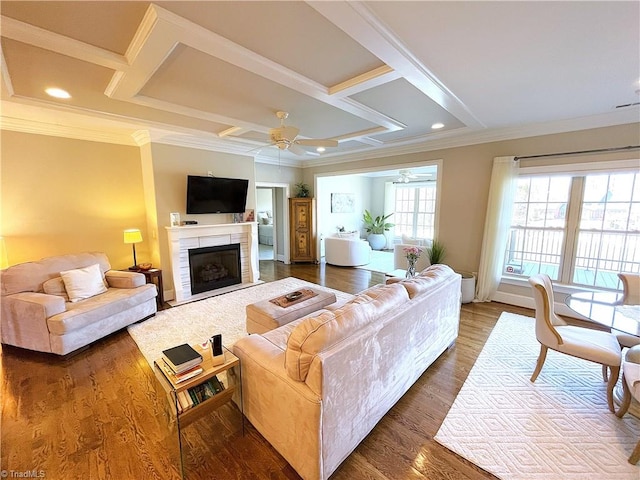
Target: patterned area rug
195,322
556,428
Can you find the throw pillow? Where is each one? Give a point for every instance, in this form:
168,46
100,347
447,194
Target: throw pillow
55,286
83,283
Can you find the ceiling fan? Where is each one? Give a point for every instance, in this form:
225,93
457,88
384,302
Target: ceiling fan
407,175
285,138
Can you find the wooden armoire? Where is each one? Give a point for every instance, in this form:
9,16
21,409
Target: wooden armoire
303,229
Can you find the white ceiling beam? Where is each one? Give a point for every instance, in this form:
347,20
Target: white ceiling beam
361,24
5,73
365,81
38,37
163,30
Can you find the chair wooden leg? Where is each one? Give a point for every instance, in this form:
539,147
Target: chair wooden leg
613,379
605,373
635,455
626,398
541,358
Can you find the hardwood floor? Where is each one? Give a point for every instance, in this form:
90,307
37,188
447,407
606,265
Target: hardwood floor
101,413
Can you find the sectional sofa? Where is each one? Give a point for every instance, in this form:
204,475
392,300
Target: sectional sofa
314,388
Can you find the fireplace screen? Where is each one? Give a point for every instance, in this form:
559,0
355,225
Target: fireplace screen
214,267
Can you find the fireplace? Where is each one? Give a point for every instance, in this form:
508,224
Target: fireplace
214,267
184,238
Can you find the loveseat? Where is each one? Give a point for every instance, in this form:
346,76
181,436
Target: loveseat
45,305
346,250
314,388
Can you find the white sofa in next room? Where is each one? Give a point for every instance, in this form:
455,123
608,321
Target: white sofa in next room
346,251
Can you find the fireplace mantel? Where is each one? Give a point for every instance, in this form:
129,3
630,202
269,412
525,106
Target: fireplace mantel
181,239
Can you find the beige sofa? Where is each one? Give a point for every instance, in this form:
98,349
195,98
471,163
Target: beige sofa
314,388
50,322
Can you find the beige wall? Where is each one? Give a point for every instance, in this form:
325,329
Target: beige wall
171,165
63,196
466,172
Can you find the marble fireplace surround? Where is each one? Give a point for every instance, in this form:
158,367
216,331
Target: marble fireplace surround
183,238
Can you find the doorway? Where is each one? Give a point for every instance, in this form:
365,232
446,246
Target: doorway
272,217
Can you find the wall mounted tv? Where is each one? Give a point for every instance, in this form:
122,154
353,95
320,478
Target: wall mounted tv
216,195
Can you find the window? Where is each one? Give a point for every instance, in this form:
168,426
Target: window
415,210
578,229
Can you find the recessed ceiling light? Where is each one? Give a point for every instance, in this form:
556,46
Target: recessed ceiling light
320,149
437,126
57,93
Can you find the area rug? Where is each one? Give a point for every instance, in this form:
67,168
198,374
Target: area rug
381,261
556,428
195,322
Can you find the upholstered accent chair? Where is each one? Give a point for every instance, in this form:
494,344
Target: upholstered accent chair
631,296
400,256
554,333
630,287
631,389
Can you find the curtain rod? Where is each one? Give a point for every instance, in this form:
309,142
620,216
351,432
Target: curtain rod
600,150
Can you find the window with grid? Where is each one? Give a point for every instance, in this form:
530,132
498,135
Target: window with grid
579,230
415,210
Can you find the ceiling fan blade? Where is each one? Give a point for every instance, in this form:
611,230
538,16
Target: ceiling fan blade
317,142
296,149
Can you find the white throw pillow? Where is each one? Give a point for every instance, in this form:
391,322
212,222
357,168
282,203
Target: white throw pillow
83,283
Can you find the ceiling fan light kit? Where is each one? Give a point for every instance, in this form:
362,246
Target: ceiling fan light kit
284,137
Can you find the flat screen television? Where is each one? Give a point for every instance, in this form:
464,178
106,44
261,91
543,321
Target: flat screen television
216,194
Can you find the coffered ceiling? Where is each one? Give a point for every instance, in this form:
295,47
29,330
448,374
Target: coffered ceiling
375,76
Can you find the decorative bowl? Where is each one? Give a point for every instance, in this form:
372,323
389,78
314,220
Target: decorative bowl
144,266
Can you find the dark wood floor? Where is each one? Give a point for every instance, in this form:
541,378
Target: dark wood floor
101,413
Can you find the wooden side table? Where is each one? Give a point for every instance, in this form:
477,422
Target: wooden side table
154,275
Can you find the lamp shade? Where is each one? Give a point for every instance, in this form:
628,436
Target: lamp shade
132,235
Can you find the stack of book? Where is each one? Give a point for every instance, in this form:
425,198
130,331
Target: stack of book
181,363
195,395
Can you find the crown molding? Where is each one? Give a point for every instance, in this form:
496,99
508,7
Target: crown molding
65,131
455,139
123,131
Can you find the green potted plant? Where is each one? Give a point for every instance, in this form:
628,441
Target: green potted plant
436,252
302,190
376,227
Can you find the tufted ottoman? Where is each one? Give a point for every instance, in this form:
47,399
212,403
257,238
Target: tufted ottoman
265,316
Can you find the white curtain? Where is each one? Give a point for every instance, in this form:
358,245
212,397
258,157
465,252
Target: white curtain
389,207
496,226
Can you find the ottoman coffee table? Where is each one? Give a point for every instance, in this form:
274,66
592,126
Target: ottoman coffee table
269,314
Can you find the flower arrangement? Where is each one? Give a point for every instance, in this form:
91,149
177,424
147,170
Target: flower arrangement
412,253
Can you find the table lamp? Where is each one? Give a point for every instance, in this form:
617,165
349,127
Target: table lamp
133,236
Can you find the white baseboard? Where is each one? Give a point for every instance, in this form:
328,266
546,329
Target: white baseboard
528,302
